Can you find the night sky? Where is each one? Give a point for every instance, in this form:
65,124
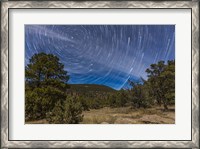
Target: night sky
103,54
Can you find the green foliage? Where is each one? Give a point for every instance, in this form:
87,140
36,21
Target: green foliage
112,100
139,96
84,103
45,85
118,99
47,95
161,79
73,110
159,88
70,112
32,105
45,70
122,98
81,88
39,101
56,116
94,103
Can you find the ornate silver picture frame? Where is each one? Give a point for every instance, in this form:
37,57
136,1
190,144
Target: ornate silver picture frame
6,83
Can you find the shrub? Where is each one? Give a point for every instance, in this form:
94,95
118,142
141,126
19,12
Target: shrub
70,112
39,101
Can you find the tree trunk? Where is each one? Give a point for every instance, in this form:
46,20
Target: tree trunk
165,106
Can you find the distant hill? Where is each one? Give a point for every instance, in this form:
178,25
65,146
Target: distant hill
90,87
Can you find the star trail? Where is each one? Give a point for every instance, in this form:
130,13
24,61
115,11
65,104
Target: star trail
103,54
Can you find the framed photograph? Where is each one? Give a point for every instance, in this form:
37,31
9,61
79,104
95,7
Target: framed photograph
99,74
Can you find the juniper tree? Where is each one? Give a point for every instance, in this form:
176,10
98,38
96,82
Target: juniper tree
161,78
68,112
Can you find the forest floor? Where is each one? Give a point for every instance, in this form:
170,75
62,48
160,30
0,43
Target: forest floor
125,115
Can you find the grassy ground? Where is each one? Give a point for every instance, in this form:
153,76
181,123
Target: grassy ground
125,115
43,121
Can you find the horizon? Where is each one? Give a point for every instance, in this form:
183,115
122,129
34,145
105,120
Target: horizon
107,55
97,85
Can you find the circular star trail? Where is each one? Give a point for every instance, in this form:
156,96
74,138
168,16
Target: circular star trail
103,54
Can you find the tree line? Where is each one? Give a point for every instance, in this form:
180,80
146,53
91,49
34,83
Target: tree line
48,96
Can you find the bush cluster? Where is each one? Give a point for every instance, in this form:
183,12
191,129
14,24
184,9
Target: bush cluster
47,95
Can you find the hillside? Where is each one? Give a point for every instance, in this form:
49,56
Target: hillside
90,87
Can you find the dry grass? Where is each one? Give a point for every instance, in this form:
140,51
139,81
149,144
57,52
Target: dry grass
125,115
43,121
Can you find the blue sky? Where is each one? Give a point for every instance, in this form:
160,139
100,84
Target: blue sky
103,54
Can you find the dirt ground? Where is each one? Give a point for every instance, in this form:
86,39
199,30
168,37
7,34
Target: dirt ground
125,115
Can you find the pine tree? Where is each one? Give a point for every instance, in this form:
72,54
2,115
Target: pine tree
45,85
